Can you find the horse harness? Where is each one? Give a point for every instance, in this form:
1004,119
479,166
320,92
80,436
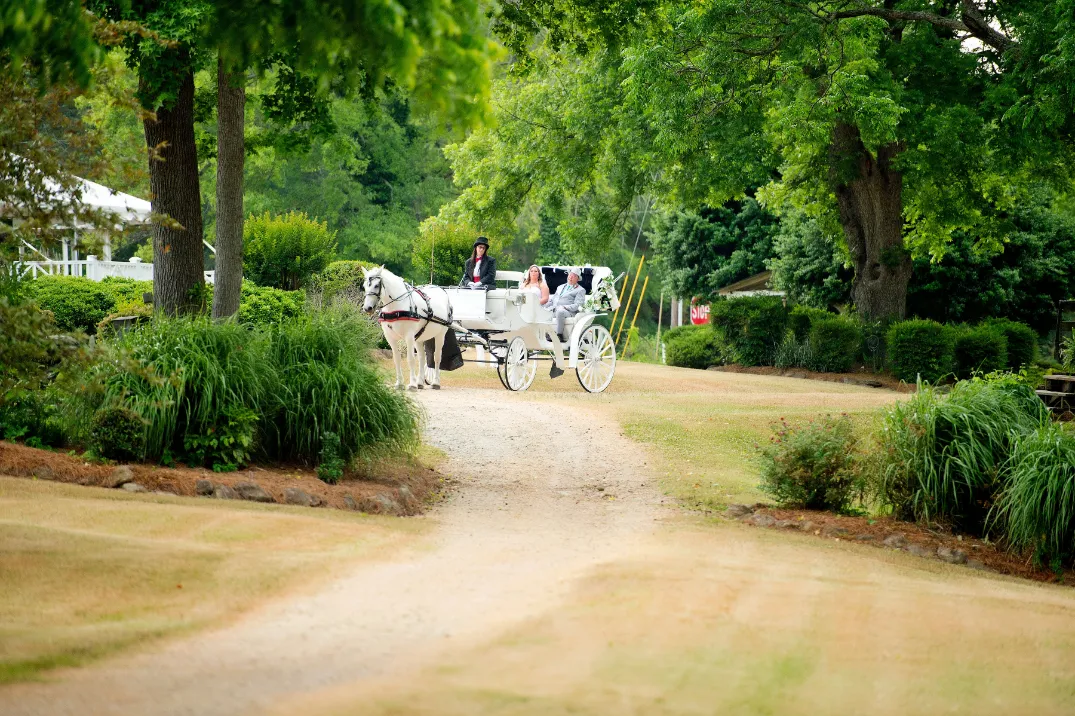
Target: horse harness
411,314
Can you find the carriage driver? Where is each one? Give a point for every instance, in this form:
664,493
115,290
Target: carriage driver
480,269
567,301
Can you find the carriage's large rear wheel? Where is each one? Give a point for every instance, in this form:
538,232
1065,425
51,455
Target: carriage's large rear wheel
597,359
517,371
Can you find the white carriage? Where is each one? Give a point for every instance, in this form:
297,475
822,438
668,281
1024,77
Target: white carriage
510,330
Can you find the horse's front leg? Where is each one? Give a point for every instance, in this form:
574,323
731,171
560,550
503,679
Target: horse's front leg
412,355
397,359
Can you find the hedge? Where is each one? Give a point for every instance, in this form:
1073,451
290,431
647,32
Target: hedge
835,343
1022,341
265,306
692,347
750,327
76,303
802,317
982,349
921,348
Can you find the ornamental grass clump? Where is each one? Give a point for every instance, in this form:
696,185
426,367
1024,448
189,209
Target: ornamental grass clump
942,456
814,466
1037,508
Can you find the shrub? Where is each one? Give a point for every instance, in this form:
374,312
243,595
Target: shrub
227,445
126,290
26,348
793,353
284,251
692,347
339,277
264,306
835,344
118,433
76,303
800,318
813,465
920,348
980,350
1022,342
451,245
126,309
1038,506
331,466
329,384
941,456
751,327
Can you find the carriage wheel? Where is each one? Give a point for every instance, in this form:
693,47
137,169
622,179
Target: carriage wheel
597,359
519,370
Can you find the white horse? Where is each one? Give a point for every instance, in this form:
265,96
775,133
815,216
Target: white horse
408,314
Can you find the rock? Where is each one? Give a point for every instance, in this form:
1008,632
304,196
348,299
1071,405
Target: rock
120,475
952,555
976,564
737,511
203,488
252,492
865,538
895,541
43,472
223,492
763,520
133,487
807,526
918,550
407,500
350,502
295,496
872,384
786,524
834,531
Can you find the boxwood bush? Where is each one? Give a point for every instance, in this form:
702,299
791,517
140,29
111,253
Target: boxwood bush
751,328
265,306
982,349
835,343
692,347
920,348
1022,342
76,303
800,318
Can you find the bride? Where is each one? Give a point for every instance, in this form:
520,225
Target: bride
535,283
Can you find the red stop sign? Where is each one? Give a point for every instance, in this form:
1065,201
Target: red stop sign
699,313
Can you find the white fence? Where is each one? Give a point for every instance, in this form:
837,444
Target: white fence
92,269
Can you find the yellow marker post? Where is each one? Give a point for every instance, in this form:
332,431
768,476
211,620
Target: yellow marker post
630,296
635,317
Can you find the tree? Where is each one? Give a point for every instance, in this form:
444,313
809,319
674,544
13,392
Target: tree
704,252
879,118
809,265
448,246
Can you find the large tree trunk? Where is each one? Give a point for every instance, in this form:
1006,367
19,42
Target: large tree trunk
231,101
178,278
869,194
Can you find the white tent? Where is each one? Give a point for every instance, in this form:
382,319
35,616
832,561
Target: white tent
128,209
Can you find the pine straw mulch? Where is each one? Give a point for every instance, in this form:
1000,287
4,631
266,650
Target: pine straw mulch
402,488
862,377
921,540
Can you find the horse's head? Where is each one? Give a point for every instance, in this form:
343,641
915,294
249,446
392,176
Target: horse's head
372,285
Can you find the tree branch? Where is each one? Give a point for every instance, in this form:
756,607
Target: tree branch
971,22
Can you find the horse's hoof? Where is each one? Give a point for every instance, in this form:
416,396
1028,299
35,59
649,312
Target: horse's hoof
435,386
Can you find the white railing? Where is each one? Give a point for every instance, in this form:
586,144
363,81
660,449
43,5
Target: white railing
92,269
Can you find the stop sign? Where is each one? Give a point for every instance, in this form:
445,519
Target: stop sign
699,313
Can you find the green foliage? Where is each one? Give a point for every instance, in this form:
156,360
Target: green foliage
284,251
835,344
76,303
1022,342
1067,352
331,466
264,306
339,277
126,290
118,433
54,38
707,251
813,466
692,347
751,327
800,318
451,245
793,353
920,349
329,384
982,349
941,457
809,263
26,348
1037,508
227,445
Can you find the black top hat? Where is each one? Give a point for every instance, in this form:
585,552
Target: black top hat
483,241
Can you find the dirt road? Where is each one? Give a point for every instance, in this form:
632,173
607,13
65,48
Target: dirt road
546,494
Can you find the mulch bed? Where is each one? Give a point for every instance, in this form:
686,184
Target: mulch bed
888,533
397,489
863,378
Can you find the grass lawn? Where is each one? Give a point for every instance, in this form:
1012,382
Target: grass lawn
87,571
703,425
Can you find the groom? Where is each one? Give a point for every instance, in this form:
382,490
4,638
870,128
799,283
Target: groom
567,301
